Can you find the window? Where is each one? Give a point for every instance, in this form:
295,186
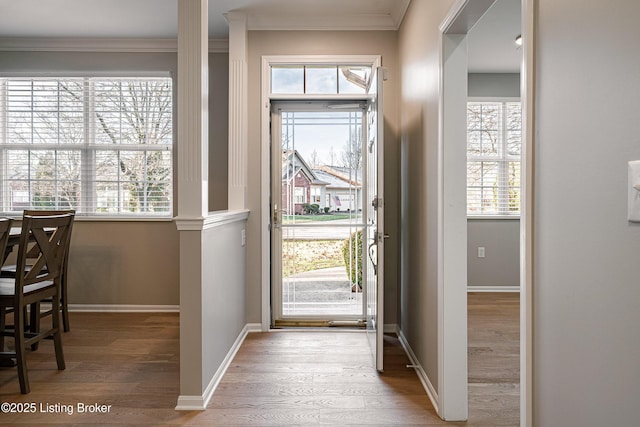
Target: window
300,195
320,79
315,194
101,146
493,158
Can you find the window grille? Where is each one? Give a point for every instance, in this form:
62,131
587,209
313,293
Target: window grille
101,146
494,139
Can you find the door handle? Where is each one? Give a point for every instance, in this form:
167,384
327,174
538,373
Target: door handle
371,256
277,215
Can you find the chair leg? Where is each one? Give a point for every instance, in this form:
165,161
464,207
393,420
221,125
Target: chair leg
21,359
4,362
34,322
3,323
57,335
64,308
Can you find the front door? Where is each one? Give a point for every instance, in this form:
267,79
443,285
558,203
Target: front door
375,219
318,224
327,205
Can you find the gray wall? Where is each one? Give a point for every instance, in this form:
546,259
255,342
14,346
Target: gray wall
419,58
501,264
494,84
586,271
132,262
223,294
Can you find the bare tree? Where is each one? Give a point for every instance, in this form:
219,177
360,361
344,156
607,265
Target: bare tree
332,156
352,152
144,118
315,159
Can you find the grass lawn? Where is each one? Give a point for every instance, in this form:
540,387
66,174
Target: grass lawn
289,219
299,256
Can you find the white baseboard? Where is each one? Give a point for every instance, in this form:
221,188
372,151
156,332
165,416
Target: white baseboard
422,375
253,327
199,403
191,403
483,288
390,328
123,308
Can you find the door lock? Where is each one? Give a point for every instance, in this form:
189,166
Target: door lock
376,203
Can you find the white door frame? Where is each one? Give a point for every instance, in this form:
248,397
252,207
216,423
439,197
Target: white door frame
265,152
452,304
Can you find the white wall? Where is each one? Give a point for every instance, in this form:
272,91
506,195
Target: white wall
586,269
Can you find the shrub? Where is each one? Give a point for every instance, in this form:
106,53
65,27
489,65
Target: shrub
308,209
352,254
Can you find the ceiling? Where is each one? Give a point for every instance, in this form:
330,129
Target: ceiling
490,42
158,18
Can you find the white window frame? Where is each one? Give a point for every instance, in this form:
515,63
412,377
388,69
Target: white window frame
502,158
89,148
299,195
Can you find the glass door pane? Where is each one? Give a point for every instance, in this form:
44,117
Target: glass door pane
318,223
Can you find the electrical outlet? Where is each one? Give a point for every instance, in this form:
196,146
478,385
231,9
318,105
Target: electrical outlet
480,251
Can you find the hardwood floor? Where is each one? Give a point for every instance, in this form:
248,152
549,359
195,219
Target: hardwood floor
494,358
291,378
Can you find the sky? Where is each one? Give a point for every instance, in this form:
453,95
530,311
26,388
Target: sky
322,131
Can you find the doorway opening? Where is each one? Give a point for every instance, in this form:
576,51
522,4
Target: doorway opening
343,94
454,96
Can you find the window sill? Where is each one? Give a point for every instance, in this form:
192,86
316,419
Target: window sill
493,217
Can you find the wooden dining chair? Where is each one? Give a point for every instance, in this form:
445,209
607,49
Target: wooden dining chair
40,282
5,229
10,271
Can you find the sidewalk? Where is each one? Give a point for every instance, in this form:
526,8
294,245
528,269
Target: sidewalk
325,291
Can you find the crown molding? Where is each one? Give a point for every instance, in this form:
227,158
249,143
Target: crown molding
389,18
347,22
54,44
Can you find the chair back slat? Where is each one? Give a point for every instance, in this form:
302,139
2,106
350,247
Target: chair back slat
5,230
33,252
50,236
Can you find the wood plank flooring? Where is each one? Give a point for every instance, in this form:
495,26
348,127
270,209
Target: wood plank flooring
494,358
292,378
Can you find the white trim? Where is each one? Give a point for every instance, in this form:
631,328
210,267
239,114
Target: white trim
382,21
253,327
527,223
390,328
122,308
493,98
484,288
199,403
422,375
500,217
62,44
452,230
214,219
191,403
268,60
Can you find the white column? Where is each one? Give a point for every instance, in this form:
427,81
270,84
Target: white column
192,185
238,114
193,108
